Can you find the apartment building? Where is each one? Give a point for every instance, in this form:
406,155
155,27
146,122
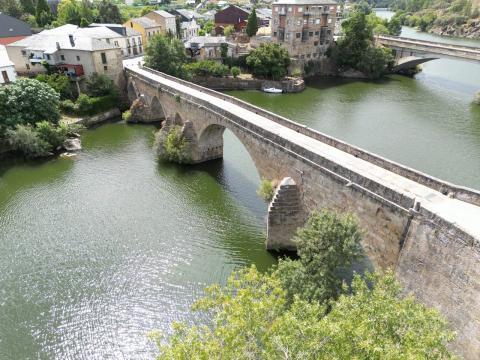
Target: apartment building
145,26
165,20
304,27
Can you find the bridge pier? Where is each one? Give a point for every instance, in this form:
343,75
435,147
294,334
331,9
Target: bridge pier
285,216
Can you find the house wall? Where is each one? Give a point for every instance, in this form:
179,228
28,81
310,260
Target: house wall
12,75
145,33
165,24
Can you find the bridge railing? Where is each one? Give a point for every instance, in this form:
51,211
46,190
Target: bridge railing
459,192
400,39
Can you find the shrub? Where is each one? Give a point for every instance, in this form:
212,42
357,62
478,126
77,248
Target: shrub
172,146
207,68
166,54
67,106
99,85
26,140
27,101
235,71
229,30
266,190
127,115
86,105
53,135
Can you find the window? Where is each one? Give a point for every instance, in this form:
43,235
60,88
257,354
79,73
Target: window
131,24
78,58
275,21
289,22
115,43
311,21
317,32
288,35
308,56
300,9
329,21
289,9
310,33
317,21
104,58
315,43
275,34
128,50
305,22
108,41
105,67
298,35
276,8
24,53
27,66
302,56
299,23
62,57
48,56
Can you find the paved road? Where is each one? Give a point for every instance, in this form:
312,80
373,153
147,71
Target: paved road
466,216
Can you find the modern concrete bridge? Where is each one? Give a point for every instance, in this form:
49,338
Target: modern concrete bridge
411,52
426,229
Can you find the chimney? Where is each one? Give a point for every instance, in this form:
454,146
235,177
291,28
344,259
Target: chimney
58,45
72,42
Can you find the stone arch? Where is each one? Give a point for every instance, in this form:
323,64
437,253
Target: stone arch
132,91
157,112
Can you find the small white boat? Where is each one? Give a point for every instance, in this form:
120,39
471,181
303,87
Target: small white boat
273,90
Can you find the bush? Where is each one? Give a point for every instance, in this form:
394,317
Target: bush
27,101
166,54
127,115
86,105
67,106
266,190
235,71
53,135
27,141
375,62
60,83
228,30
269,61
207,68
99,85
172,146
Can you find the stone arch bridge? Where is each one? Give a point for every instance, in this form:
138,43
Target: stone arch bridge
426,229
412,52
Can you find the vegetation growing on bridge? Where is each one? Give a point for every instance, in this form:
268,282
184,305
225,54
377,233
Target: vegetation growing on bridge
172,146
285,315
266,190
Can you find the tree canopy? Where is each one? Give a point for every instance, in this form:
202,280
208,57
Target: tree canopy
27,101
252,24
269,61
108,13
166,54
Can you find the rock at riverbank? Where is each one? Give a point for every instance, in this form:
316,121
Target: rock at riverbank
72,144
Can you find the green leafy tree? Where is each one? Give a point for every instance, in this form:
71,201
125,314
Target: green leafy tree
235,70
68,12
394,26
269,61
42,13
208,27
28,101
60,83
25,140
86,12
327,246
266,189
108,13
166,54
251,319
11,8
252,24
172,146
28,6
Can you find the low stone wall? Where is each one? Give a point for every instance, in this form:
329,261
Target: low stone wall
230,83
93,120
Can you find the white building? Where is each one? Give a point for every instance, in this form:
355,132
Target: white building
128,39
7,68
72,52
189,29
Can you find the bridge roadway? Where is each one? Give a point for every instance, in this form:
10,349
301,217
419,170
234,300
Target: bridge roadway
430,47
465,215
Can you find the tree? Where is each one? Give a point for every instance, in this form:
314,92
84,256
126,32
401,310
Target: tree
86,12
68,12
269,61
28,101
60,83
42,13
108,13
28,6
356,49
251,319
99,85
166,54
327,246
394,26
252,24
11,8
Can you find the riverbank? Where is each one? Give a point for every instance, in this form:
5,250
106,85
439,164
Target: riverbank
247,82
469,30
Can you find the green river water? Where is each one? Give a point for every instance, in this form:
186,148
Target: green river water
98,249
